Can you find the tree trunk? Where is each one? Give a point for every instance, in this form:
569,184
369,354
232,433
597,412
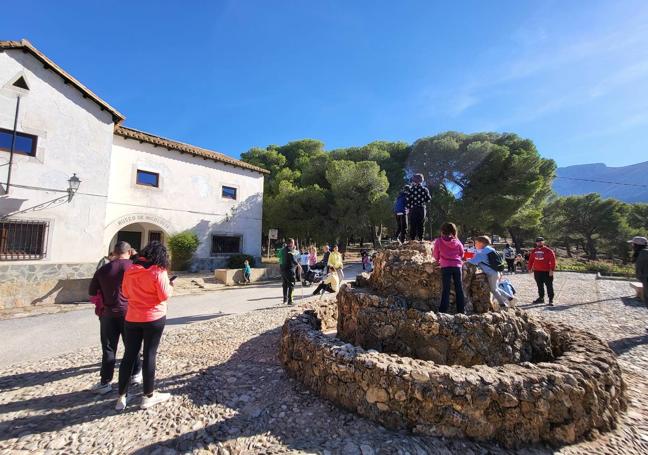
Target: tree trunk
517,239
591,249
378,236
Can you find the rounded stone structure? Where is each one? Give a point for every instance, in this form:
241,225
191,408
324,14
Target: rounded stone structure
501,376
411,272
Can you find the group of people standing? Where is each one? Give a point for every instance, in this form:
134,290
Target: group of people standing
450,253
295,264
410,208
130,294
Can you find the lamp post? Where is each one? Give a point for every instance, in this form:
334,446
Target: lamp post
73,186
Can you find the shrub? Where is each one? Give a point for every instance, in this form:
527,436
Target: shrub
183,246
236,261
603,267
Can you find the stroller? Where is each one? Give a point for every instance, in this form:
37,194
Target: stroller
315,274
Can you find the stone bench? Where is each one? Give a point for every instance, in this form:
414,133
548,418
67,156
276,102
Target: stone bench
230,277
639,289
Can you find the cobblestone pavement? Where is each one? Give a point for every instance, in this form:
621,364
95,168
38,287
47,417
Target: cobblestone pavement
232,396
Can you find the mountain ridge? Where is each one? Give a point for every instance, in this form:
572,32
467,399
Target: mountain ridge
611,182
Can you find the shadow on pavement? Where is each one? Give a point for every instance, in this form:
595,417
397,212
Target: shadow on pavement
194,318
18,381
624,345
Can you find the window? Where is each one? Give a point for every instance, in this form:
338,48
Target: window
147,178
229,192
23,240
25,143
225,244
155,236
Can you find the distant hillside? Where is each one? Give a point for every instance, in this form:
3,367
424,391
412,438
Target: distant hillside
635,173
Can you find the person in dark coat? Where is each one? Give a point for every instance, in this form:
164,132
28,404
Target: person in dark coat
400,210
640,259
417,198
107,284
289,271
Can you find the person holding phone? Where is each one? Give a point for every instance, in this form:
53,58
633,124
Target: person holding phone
147,287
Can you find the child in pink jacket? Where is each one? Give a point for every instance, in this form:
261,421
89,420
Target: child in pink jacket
449,251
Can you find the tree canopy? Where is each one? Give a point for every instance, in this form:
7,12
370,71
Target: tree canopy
484,182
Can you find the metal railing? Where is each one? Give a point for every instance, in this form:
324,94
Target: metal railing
23,240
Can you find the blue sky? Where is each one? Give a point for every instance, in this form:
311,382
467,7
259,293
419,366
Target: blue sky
229,75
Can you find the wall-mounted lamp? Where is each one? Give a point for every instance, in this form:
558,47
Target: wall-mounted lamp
73,186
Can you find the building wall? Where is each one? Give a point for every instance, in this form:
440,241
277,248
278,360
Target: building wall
74,135
189,197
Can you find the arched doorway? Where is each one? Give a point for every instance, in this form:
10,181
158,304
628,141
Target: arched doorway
138,235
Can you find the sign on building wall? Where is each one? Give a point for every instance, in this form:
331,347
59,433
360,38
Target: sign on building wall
154,219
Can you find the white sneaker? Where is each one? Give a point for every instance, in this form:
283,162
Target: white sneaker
101,389
156,398
137,379
121,403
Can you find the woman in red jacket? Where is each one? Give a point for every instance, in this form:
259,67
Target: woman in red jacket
147,288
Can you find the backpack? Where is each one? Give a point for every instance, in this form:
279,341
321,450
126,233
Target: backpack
496,261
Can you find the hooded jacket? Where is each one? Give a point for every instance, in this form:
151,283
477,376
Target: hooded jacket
448,251
108,279
147,288
401,203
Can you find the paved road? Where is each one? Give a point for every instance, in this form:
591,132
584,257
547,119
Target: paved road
45,336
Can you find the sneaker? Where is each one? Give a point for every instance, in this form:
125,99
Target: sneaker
101,388
155,398
121,403
137,379
538,300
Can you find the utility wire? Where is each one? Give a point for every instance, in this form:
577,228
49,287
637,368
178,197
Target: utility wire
603,181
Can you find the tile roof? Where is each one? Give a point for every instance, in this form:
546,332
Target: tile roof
130,133
26,46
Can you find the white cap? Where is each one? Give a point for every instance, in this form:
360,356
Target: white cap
639,241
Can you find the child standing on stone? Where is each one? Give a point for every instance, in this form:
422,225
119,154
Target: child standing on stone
481,259
449,251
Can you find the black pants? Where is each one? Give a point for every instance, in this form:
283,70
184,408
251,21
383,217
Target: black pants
288,285
135,333
417,222
401,227
323,287
511,265
542,279
110,329
454,274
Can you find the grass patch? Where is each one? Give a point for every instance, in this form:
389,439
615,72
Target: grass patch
603,267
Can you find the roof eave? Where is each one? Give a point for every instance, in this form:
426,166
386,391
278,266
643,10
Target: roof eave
26,46
158,141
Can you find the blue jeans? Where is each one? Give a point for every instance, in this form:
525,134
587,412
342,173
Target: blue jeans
454,274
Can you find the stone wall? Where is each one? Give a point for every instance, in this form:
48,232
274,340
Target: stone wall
410,271
556,402
387,324
23,285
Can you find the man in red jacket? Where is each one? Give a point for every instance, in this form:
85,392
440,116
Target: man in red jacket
542,261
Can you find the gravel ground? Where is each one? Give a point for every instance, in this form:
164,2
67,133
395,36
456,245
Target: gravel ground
232,396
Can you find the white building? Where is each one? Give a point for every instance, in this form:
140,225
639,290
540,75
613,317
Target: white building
134,185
